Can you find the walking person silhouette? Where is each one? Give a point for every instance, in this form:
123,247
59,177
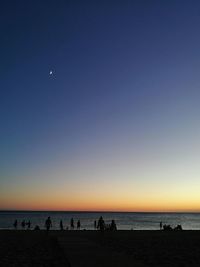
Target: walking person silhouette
61,225
78,225
72,224
48,223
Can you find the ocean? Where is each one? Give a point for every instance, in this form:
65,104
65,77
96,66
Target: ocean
124,220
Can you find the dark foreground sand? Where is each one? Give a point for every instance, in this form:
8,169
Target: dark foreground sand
30,248
92,248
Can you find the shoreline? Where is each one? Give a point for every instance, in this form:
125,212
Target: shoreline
105,231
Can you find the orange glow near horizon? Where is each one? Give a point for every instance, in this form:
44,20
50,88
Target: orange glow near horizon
60,202
117,191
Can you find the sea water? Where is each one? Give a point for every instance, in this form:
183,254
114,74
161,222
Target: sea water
124,220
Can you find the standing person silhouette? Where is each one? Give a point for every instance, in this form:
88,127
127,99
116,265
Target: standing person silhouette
48,223
78,225
113,226
72,224
15,224
61,225
23,224
101,224
28,224
95,224
161,225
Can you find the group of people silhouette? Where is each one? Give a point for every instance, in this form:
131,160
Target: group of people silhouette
167,227
100,225
72,226
23,224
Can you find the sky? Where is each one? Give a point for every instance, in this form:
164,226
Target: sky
99,105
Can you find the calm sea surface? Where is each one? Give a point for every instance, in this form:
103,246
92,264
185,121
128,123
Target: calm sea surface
124,220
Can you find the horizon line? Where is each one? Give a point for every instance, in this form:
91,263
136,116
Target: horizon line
96,211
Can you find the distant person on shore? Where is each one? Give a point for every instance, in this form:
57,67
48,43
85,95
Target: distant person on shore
23,224
95,224
113,226
178,227
101,224
61,225
161,225
78,225
48,223
72,224
28,224
15,224
167,227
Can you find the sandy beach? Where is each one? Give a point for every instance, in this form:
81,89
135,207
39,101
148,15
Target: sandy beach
92,248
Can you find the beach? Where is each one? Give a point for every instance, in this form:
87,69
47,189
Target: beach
93,248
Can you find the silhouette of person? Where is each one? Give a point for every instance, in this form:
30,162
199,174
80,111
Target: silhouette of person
101,224
48,223
23,224
72,224
15,224
161,225
113,226
95,224
78,225
61,225
37,228
28,224
178,227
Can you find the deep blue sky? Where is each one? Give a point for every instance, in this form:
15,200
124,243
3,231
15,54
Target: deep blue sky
122,103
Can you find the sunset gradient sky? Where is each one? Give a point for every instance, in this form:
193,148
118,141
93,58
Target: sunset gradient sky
117,125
